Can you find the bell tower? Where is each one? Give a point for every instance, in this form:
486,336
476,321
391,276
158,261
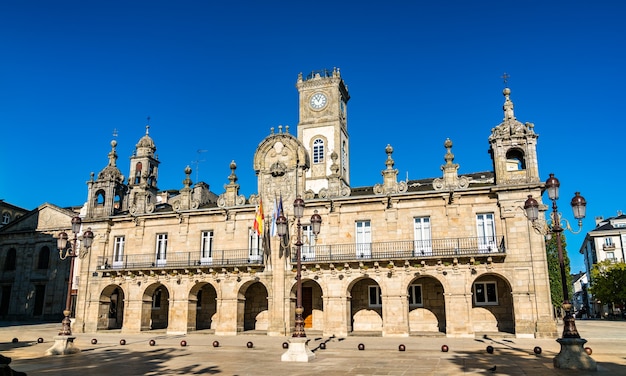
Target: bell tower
323,127
144,171
107,192
514,148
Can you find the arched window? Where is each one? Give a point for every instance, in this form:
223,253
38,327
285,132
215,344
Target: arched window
43,262
100,198
138,173
515,160
9,261
318,151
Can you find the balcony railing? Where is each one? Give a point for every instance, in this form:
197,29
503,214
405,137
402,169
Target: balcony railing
223,258
402,250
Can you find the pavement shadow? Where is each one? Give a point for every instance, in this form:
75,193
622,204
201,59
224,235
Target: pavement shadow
118,362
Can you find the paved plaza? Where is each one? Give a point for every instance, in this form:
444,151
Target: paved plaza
341,356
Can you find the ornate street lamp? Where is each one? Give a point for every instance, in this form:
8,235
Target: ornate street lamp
572,355
64,343
299,352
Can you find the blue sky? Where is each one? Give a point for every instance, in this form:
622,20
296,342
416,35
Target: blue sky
215,76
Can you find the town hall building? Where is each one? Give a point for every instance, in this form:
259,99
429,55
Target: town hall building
452,255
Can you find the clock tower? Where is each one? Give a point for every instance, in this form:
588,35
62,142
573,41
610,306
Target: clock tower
323,128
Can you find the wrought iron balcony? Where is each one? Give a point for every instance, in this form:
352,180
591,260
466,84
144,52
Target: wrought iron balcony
221,258
403,250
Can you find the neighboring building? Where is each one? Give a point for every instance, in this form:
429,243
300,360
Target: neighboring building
33,279
605,242
580,299
453,255
9,213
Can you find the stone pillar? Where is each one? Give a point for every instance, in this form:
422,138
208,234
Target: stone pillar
395,316
178,312
133,313
336,313
459,306
228,311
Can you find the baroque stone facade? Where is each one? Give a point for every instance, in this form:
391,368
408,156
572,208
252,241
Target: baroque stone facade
452,255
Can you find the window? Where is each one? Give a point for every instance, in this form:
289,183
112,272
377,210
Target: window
206,248
363,239
375,299
415,296
318,151
308,240
43,262
485,293
254,245
421,236
608,242
6,218
9,262
138,173
485,229
161,249
118,251
610,256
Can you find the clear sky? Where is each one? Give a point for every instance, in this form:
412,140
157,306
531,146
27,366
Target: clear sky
215,76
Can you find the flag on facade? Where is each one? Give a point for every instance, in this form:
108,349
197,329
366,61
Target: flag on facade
259,218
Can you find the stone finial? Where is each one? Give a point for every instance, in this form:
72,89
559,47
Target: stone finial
390,177
451,179
232,177
187,182
508,105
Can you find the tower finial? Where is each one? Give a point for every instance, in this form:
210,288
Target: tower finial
114,132
148,124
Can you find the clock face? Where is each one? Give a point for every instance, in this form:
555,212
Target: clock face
318,101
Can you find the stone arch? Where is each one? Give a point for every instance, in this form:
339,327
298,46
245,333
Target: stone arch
515,159
202,307
426,304
155,307
312,302
252,307
111,308
99,197
366,306
492,304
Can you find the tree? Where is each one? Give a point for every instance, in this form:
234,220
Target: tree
608,282
554,270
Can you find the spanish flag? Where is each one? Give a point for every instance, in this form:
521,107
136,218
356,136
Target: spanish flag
259,218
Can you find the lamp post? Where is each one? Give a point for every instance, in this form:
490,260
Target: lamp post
572,355
298,353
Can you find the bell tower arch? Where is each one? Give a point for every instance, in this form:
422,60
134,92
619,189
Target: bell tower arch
144,173
514,148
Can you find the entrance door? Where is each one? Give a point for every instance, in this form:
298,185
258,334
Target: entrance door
307,304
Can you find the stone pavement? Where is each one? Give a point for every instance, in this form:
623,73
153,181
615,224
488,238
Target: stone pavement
423,355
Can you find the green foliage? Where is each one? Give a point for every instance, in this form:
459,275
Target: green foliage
608,282
554,270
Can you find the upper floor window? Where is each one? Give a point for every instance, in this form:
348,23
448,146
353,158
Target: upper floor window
254,245
422,236
608,242
10,260
6,218
206,248
308,240
485,293
318,151
486,231
415,296
363,239
43,262
118,251
375,299
161,249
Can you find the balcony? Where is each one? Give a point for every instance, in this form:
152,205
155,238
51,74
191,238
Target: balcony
438,249
173,260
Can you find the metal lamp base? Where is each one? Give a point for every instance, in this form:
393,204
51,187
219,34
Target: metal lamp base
298,351
573,355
